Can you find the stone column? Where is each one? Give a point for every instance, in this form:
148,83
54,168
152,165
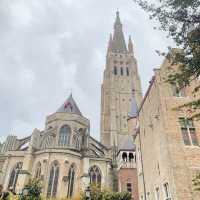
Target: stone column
85,179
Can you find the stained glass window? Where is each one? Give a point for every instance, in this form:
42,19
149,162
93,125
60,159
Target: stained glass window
53,180
14,176
71,178
64,136
95,175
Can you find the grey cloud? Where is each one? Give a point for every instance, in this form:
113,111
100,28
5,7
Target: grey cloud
49,47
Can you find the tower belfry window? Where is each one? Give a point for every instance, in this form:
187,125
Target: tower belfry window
127,71
115,70
122,71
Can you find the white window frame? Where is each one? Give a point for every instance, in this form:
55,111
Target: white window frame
188,127
167,192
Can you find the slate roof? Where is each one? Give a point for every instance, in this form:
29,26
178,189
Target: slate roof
69,106
127,143
134,108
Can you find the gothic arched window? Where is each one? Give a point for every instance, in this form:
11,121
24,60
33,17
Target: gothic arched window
38,170
14,176
124,156
127,71
122,71
115,70
71,178
64,135
53,180
95,175
131,157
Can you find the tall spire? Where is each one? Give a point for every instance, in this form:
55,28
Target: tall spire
130,45
118,44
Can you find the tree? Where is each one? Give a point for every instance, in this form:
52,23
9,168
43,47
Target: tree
34,190
181,20
196,182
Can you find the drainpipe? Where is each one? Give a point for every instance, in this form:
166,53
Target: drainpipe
143,178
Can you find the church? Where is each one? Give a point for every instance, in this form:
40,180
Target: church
64,156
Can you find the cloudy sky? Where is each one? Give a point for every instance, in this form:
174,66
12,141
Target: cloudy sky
48,48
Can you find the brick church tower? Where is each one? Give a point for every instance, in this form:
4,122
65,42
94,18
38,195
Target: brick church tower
120,78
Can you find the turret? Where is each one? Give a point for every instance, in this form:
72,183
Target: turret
130,45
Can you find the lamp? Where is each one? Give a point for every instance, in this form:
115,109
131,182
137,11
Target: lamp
88,193
25,192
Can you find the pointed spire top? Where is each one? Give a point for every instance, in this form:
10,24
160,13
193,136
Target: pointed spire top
70,106
118,45
117,21
134,108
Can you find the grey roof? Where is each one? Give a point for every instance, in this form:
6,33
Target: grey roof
127,143
134,108
69,106
118,42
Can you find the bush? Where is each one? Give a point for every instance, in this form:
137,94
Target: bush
97,194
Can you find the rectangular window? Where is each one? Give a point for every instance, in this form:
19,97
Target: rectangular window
157,193
129,187
166,191
188,132
177,92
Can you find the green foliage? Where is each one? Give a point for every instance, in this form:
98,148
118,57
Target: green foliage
181,20
34,190
97,194
196,182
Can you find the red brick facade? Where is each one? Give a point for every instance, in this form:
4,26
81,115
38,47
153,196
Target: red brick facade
129,176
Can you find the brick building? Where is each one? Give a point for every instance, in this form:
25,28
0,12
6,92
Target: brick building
168,151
